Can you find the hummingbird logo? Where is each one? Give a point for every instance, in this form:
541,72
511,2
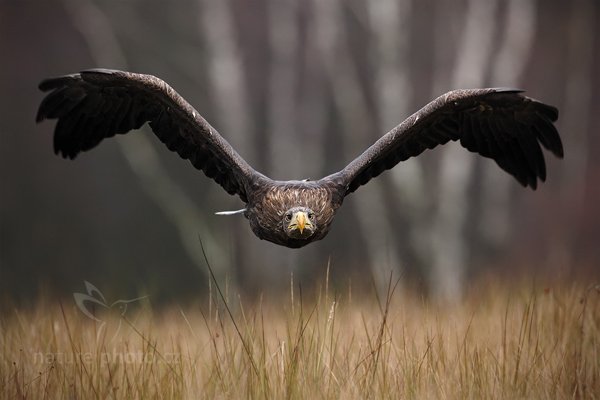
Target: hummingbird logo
92,302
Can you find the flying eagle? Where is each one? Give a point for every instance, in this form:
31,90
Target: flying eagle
501,124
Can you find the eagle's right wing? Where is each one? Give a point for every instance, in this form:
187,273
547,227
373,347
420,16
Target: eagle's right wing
99,103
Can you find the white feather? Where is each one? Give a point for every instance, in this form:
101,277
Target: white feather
231,212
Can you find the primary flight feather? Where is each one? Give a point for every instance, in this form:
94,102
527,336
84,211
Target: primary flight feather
501,124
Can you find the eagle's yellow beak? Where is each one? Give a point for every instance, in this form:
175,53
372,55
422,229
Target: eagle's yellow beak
300,224
300,218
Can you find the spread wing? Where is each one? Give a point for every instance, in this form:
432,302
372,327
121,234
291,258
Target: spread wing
99,103
500,124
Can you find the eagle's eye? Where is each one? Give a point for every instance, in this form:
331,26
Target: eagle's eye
288,216
311,216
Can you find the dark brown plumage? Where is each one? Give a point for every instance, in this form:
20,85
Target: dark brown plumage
501,124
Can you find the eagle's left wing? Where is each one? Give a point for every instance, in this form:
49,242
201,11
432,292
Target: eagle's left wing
500,124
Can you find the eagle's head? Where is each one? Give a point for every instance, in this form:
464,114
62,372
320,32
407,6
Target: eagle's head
299,223
292,214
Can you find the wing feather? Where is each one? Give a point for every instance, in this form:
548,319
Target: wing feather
96,104
501,124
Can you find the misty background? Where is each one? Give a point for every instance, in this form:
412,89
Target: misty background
299,88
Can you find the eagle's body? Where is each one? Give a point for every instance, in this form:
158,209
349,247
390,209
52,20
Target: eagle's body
500,124
322,197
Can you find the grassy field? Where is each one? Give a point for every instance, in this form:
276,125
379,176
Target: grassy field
500,342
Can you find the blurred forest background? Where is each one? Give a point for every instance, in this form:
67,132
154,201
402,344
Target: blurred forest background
299,88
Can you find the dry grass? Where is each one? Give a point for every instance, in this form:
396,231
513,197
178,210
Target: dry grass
499,343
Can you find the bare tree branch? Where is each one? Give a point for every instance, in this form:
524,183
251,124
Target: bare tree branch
578,92
450,258
375,226
576,115
226,74
138,151
287,151
389,22
508,66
